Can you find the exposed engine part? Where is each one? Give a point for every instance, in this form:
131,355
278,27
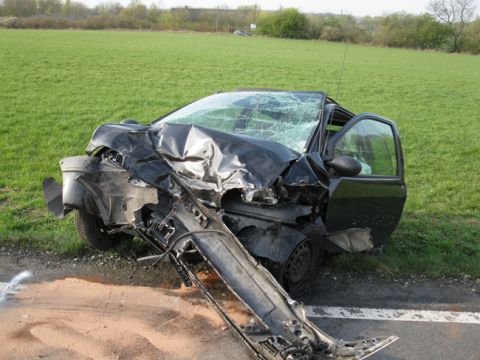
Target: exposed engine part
259,192
286,332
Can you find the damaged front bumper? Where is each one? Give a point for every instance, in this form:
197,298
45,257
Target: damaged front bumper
279,328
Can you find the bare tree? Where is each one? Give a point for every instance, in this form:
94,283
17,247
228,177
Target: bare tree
454,13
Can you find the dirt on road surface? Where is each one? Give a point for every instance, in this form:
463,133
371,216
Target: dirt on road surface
75,318
105,306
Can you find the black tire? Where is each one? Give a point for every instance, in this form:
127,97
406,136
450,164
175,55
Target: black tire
93,232
301,267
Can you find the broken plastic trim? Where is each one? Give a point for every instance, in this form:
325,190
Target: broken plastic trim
352,240
284,331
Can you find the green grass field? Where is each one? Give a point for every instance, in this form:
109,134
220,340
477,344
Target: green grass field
57,86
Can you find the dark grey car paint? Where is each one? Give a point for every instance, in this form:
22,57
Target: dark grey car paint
145,181
363,201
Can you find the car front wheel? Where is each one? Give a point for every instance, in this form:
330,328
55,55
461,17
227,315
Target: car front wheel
301,268
94,233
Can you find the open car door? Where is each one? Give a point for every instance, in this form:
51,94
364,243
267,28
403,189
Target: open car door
373,199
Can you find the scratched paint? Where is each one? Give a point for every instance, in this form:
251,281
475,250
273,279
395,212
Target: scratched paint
12,287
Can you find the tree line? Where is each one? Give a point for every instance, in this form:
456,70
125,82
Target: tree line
449,25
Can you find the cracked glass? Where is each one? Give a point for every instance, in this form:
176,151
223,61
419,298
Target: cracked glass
286,117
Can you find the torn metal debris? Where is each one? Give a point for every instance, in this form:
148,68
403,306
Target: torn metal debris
257,183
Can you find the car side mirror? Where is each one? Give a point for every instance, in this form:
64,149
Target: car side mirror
345,166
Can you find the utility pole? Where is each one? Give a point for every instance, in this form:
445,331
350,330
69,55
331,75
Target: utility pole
216,21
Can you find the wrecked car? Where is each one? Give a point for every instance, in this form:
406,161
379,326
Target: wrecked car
259,184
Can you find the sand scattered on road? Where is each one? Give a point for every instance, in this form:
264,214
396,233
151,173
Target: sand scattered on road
78,319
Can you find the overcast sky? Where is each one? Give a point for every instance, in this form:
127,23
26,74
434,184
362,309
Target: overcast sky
353,7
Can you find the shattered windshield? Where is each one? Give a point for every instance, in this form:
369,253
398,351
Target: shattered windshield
281,116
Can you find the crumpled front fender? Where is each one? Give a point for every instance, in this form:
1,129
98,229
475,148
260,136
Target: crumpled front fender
100,188
279,329
61,199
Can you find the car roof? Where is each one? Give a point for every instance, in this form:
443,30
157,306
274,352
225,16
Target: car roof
328,99
278,90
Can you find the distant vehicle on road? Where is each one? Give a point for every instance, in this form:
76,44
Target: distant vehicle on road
241,33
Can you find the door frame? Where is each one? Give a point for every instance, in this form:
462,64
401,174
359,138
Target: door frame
329,149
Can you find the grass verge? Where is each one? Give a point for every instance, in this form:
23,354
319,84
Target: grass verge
57,86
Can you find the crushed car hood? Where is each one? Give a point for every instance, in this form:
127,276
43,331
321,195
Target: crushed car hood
212,162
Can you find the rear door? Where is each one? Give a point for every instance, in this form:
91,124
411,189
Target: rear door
375,198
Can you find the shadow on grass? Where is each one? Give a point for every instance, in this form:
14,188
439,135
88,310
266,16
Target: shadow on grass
35,228
431,244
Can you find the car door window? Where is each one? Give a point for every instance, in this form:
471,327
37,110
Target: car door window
372,143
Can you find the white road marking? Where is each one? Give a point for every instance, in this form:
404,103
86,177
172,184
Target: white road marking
13,286
393,314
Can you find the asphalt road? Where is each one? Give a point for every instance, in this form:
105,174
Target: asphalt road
422,339
417,340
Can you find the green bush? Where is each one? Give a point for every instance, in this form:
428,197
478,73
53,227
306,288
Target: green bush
7,22
400,30
471,41
43,22
288,23
410,31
